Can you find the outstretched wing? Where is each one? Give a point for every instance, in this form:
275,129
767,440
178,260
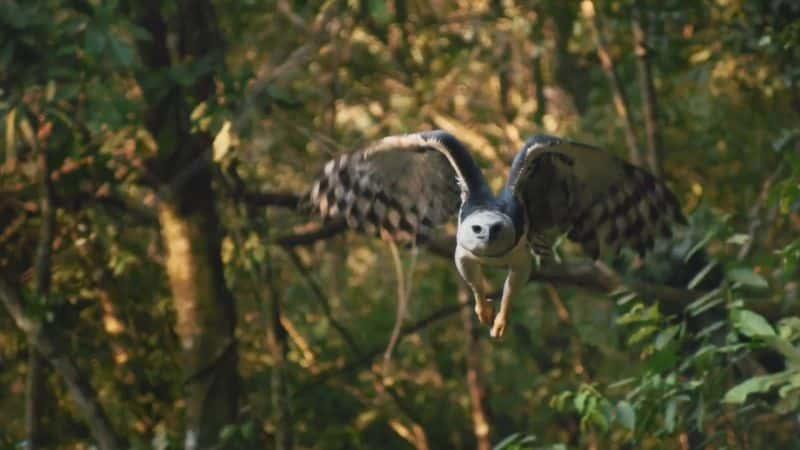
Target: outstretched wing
402,184
603,201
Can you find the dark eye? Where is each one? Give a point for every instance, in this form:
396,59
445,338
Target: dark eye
476,228
495,228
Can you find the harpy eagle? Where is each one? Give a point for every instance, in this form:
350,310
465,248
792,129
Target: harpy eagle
408,184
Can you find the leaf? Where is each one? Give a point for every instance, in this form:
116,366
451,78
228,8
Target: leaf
786,348
739,239
626,415
701,275
94,41
379,11
761,383
789,327
222,141
122,52
580,400
701,56
50,91
11,138
642,334
747,277
666,336
27,133
752,324
515,441
669,414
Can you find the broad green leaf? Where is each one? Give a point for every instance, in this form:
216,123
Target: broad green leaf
626,415
747,277
669,414
762,383
666,336
752,324
580,400
641,334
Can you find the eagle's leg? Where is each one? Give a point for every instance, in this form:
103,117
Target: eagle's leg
517,277
472,274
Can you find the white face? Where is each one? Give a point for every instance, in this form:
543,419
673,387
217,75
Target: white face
486,233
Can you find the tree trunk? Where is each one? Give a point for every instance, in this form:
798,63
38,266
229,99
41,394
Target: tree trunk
189,224
204,309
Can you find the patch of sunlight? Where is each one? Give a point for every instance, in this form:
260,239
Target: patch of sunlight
112,324
359,262
121,356
550,123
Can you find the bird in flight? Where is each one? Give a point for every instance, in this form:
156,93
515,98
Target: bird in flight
408,184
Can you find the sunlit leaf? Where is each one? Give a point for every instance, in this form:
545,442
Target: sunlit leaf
626,415
739,239
752,324
747,277
11,139
665,336
758,384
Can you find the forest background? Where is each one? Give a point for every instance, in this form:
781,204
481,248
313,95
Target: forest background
162,286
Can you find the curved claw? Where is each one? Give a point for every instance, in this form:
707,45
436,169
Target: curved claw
485,312
499,327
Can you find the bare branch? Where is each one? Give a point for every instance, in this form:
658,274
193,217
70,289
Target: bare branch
36,387
324,232
281,199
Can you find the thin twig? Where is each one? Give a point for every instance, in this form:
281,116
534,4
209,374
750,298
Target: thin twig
324,232
36,384
403,294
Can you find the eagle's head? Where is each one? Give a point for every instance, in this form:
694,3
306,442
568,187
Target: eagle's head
487,233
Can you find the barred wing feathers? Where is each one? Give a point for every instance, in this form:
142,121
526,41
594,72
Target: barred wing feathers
402,184
602,201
